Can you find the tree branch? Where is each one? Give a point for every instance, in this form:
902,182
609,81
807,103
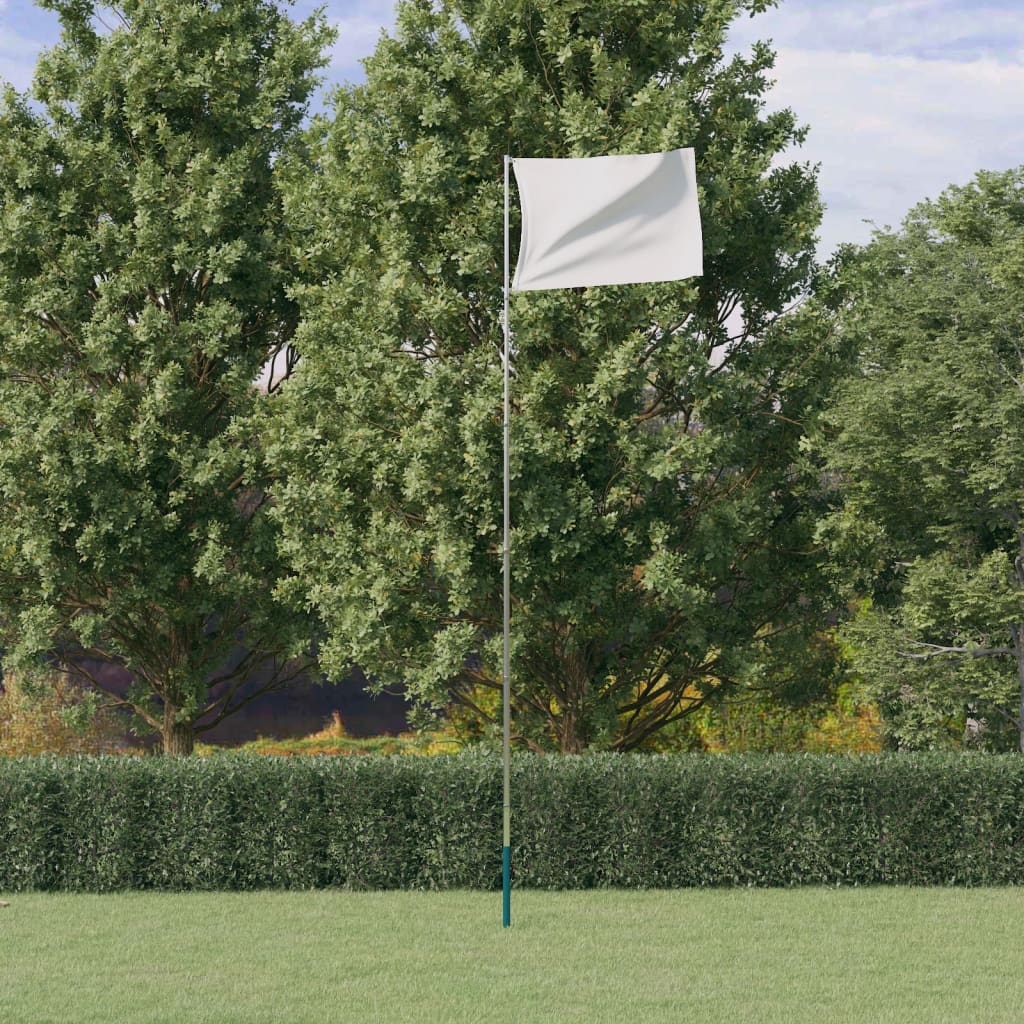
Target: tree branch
938,650
119,701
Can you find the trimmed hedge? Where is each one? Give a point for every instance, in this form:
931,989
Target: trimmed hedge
244,822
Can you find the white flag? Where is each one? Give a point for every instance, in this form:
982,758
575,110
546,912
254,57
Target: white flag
608,220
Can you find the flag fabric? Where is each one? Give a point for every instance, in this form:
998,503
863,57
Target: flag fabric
608,220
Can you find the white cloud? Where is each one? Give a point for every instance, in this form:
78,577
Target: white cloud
942,29
357,38
358,30
17,57
879,12
902,98
889,132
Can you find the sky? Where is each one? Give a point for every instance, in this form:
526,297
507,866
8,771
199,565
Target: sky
902,98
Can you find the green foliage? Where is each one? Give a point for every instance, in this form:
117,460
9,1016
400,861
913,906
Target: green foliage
238,822
846,723
926,439
142,287
662,508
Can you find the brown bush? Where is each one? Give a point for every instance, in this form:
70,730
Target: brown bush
52,717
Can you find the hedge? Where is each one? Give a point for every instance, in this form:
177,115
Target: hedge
248,822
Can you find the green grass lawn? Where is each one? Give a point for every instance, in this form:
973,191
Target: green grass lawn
816,955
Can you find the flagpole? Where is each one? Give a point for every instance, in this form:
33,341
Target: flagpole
506,803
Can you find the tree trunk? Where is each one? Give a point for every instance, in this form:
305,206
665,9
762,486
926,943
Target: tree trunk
179,737
570,741
571,727
975,729
1018,651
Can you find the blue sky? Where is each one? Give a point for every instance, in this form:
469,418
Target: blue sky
902,97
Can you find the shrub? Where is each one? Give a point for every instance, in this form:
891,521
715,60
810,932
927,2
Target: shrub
247,822
755,722
52,716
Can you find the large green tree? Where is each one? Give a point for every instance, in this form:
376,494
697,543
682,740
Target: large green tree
927,443
142,287
661,509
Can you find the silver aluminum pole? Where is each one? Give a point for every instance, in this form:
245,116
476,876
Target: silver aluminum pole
506,805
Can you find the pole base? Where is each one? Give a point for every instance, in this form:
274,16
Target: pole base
506,886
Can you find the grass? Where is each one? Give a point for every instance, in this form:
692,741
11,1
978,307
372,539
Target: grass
841,956
333,739
342,747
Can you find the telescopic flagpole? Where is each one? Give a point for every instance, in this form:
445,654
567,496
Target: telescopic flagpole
506,805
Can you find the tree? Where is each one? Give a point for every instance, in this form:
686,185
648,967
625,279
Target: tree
142,286
661,509
927,442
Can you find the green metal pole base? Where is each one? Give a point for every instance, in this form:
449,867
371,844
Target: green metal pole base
506,886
